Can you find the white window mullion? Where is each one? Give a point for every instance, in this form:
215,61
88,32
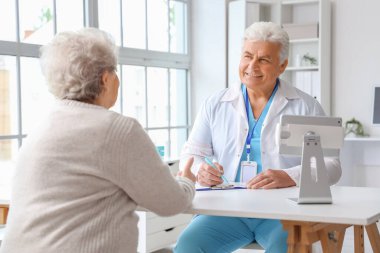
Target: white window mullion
146,24
169,40
121,22
91,13
142,57
146,96
169,116
17,20
55,16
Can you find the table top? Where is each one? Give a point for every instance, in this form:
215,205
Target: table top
351,205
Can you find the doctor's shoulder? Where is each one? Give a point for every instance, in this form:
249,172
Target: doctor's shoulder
308,104
226,94
214,98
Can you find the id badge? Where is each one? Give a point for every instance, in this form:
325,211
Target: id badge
248,170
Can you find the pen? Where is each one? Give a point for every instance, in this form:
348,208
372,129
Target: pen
208,161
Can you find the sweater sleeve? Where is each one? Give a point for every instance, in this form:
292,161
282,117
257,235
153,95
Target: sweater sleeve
142,174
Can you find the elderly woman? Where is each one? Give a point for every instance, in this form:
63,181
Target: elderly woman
81,175
236,126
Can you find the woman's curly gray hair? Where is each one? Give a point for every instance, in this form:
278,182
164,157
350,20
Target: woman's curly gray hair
73,63
269,31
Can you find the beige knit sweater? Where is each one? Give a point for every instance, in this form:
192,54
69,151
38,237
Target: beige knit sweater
78,180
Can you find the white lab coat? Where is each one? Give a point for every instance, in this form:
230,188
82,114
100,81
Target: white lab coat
221,128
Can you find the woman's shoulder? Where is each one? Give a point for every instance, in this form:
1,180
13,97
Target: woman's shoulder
125,120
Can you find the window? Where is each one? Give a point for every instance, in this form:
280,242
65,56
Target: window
153,65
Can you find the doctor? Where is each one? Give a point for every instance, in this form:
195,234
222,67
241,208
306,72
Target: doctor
236,127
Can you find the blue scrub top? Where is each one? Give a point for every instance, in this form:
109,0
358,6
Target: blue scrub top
255,154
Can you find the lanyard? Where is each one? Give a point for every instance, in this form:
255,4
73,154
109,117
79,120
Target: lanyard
247,104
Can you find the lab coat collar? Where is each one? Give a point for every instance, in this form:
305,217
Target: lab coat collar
285,92
232,93
235,96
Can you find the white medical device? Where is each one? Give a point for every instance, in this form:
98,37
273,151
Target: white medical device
313,137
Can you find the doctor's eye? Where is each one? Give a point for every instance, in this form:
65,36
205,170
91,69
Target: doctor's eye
264,60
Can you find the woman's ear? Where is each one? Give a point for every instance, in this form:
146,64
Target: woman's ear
105,79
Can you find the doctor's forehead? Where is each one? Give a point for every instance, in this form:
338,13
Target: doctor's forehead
260,46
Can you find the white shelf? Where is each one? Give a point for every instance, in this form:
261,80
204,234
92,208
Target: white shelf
304,68
362,139
289,2
306,14
313,40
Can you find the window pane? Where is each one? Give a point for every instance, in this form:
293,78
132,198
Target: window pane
160,138
8,20
158,115
158,25
8,154
178,97
36,100
134,93
69,15
117,107
134,25
178,27
109,18
177,139
8,96
36,21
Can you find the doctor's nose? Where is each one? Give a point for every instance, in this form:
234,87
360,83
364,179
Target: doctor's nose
253,64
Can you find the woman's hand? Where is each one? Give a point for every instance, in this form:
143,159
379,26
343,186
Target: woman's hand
186,172
209,176
271,179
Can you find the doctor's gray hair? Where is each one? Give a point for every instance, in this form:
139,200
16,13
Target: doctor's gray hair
268,31
73,63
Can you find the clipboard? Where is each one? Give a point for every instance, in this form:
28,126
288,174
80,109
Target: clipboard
221,187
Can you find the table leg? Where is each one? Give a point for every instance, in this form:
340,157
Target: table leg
327,245
332,238
340,238
300,237
293,238
3,214
359,240
374,237
304,248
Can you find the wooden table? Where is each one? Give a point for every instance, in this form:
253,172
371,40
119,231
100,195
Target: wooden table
306,224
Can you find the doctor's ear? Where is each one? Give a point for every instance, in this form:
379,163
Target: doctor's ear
283,65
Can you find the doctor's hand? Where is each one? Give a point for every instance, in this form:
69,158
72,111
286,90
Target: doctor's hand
271,179
186,172
209,176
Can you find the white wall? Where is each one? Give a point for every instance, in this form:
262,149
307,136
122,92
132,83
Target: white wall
208,50
355,59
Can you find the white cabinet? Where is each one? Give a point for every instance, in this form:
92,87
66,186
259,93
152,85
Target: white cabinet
157,232
308,23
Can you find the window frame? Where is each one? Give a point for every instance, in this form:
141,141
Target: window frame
127,56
